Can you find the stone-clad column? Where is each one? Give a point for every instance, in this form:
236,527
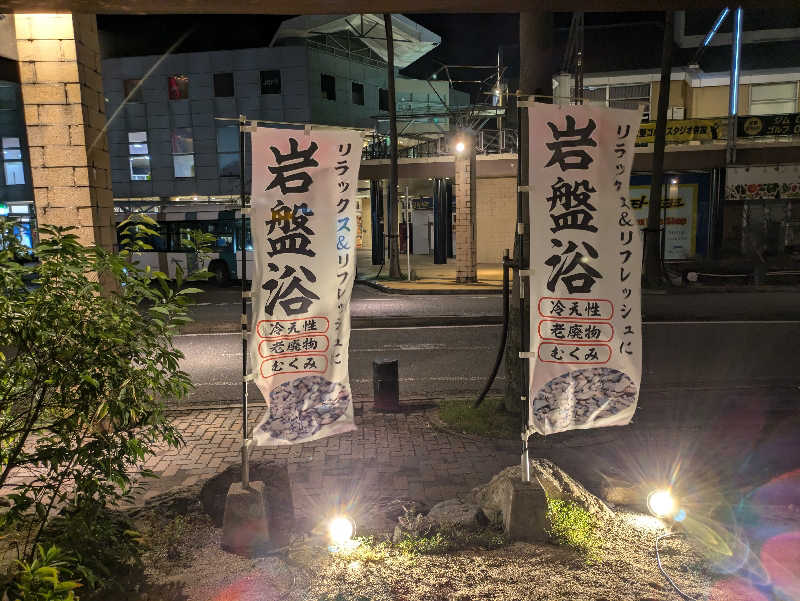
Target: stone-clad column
62,91
464,190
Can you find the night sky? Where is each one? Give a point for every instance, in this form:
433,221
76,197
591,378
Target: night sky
613,41
466,38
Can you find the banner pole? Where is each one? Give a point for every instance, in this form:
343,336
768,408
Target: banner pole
408,235
243,236
523,223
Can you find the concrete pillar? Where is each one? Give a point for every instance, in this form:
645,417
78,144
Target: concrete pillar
464,190
562,93
62,92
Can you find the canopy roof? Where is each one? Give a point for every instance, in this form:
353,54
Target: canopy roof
411,40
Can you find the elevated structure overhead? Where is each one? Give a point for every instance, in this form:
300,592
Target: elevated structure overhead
315,7
411,40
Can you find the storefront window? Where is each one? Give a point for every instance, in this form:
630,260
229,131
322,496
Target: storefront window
228,151
358,93
183,165
773,98
178,87
133,90
328,86
12,162
223,85
271,82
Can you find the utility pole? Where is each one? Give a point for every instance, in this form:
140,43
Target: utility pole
391,222
653,276
535,79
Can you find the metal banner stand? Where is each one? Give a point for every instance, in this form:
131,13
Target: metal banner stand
247,442
521,271
408,235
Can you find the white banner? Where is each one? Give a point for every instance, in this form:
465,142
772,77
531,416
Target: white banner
303,223
586,257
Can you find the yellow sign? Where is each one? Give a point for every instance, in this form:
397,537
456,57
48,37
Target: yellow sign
683,131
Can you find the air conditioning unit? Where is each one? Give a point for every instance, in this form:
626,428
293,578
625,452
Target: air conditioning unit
677,112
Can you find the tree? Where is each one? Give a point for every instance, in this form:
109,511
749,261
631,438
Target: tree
84,372
391,222
652,250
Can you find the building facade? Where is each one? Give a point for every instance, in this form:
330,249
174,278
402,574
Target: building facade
173,120
16,188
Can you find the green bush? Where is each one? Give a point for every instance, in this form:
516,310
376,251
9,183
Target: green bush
435,544
86,361
572,526
41,579
450,539
105,546
488,419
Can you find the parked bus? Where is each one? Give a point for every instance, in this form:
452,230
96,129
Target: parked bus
24,218
175,224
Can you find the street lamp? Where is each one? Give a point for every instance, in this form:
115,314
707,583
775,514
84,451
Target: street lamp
460,146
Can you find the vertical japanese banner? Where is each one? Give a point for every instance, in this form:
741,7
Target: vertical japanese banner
303,223
586,257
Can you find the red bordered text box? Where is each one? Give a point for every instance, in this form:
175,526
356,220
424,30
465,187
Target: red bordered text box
570,345
293,334
603,317
582,323
269,374
267,341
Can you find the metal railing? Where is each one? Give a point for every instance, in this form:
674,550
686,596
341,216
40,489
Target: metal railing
487,141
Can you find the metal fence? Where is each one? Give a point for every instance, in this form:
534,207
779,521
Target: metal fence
487,141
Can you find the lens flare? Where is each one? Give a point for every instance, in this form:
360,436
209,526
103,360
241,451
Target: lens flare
661,503
340,530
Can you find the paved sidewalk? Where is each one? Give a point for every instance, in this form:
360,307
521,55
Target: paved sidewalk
441,279
429,278
389,456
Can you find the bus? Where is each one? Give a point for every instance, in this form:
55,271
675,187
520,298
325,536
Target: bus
175,224
23,217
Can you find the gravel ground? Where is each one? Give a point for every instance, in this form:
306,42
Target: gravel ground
515,572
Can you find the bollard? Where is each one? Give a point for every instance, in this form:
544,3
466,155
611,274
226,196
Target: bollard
386,388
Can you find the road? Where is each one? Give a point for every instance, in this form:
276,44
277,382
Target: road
684,362
218,310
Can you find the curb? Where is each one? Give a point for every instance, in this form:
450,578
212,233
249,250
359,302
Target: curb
676,290
444,292
361,323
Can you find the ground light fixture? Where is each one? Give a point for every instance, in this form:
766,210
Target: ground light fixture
661,503
341,530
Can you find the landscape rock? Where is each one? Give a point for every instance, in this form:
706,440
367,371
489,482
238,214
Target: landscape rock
393,508
495,497
456,513
619,492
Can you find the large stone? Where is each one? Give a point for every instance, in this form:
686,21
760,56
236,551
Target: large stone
393,507
495,498
245,529
621,492
277,494
455,513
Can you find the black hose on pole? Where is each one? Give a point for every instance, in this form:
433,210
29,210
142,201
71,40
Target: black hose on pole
506,266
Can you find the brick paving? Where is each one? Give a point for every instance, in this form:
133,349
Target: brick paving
389,456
